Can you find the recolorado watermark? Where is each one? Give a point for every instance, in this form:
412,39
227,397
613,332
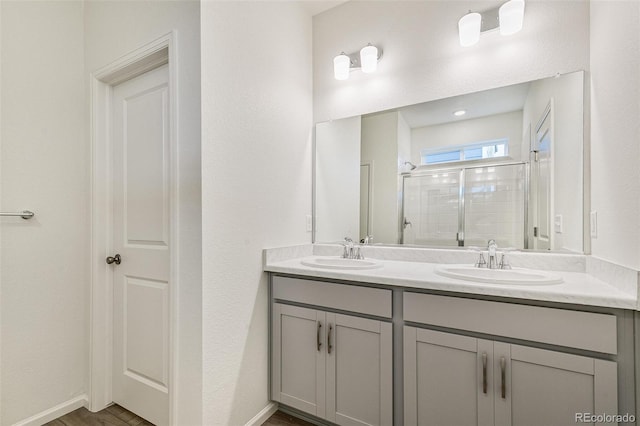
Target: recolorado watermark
604,418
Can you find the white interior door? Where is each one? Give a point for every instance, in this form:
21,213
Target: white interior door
140,135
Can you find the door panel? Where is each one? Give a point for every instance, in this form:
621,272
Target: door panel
140,136
446,375
359,371
146,328
298,368
444,379
550,387
146,175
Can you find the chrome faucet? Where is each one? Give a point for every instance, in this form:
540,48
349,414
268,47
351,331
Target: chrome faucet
348,248
492,255
351,250
504,263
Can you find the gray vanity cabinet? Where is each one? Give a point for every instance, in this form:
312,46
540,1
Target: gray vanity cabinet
454,378
443,379
460,380
335,366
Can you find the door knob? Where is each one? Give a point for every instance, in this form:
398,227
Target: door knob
116,259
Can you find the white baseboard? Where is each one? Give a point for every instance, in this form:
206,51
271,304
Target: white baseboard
263,415
54,412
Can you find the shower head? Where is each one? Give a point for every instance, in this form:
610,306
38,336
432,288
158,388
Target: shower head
413,166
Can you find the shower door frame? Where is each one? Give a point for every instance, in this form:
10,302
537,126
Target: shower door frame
461,170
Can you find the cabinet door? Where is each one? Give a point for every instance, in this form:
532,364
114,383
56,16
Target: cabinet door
548,388
359,371
447,379
298,369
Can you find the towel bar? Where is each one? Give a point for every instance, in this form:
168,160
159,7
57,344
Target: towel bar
25,214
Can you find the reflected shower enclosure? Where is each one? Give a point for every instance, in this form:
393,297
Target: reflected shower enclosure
465,206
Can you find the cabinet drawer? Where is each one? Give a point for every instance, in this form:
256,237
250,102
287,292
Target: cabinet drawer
582,330
364,300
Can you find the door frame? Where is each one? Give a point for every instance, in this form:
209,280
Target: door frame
548,112
158,52
369,164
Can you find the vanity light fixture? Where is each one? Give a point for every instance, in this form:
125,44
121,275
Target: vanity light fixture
460,113
508,18
469,29
341,64
366,60
369,58
511,15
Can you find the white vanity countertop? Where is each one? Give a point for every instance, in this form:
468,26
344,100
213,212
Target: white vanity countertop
578,288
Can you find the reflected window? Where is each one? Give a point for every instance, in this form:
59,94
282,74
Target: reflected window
475,151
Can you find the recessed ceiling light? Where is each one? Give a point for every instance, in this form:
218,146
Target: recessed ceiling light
460,113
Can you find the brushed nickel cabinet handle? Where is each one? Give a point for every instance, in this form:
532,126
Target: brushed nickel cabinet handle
318,340
116,259
484,372
329,346
503,377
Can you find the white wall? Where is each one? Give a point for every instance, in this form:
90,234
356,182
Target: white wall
380,146
337,207
114,29
423,59
456,133
256,175
615,130
404,143
44,264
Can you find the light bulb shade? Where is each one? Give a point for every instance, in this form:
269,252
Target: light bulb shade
469,29
369,59
511,16
341,65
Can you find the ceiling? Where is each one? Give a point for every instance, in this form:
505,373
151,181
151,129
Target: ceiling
479,104
315,7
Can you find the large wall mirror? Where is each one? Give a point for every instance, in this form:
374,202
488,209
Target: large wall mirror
503,164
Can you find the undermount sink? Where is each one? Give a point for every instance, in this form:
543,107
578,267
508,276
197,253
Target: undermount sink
341,263
515,276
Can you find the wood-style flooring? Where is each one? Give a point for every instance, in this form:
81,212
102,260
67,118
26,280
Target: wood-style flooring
283,419
115,415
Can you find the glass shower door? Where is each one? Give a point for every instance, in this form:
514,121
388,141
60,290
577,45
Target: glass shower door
494,206
431,208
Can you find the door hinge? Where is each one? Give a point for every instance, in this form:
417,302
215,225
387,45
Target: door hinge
535,231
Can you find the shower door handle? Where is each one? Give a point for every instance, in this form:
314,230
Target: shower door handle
115,259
